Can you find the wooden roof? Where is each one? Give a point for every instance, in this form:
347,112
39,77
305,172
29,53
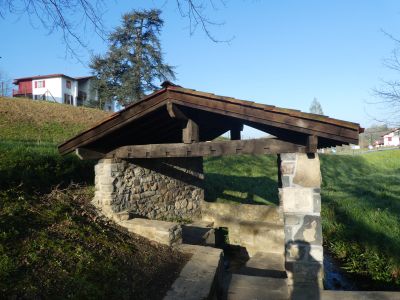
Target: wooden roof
149,122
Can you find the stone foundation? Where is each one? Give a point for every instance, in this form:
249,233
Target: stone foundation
170,188
300,201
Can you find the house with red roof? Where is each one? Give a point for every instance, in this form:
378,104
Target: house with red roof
58,88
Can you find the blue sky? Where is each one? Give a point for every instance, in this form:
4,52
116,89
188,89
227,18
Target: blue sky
283,53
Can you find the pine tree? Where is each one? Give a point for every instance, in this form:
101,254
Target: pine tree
316,107
134,60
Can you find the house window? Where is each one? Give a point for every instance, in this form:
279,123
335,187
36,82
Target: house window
68,99
389,138
68,83
40,84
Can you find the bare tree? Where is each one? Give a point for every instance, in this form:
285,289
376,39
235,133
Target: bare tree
54,15
388,94
195,12
5,84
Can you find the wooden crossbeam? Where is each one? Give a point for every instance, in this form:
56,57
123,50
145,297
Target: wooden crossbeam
214,148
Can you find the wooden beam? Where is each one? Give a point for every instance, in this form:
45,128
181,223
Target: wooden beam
83,153
190,134
312,144
215,148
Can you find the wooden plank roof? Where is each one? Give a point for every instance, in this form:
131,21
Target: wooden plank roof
148,122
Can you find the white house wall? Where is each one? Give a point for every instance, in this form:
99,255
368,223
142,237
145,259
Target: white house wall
73,91
56,87
52,89
392,139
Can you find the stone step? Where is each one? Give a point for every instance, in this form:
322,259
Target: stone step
245,287
200,278
163,232
265,264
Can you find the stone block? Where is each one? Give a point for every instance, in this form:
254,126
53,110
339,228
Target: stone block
297,251
308,173
310,231
257,288
286,181
167,233
288,156
317,203
107,188
287,168
293,219
200,277
297,200
304,272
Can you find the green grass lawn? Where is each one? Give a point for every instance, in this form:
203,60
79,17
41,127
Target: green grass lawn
242,179
360,205
361,213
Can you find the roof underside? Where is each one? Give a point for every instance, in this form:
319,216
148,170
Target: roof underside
149,122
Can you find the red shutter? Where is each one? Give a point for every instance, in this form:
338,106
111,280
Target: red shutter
35,84
44,83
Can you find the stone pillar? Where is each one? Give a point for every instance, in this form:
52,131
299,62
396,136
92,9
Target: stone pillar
300,201
166,189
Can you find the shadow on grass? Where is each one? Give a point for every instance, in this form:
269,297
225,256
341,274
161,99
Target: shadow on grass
241,189
39,167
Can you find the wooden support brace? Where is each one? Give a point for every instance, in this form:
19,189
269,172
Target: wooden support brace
83,153
175,112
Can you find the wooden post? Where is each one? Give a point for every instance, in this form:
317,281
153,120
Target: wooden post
312,144
236,133
190,134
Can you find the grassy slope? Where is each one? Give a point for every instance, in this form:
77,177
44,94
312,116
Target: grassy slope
43,122
29,133
360,205
53,246
361,212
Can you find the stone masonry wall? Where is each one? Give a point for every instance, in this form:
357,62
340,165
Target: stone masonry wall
300,201
167,188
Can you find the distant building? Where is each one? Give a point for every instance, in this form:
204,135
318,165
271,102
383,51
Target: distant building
58,88
378,143
392,138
